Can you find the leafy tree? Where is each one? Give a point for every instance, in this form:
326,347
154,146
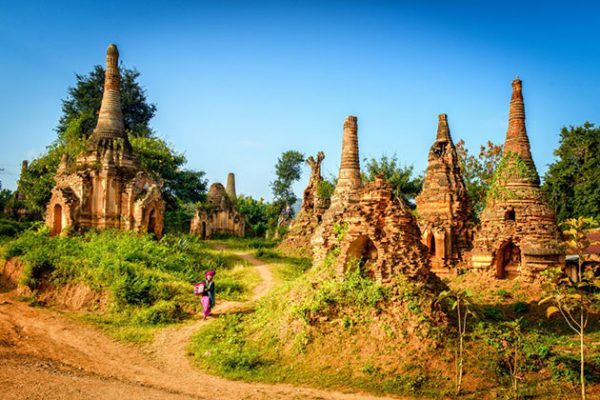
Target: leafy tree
257,214
179,185
478,172
404,185
460,301
575,299
5,197
83,103
572,183
288,170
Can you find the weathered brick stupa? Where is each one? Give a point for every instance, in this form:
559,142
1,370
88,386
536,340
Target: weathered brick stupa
303,226
372,228
518,234
219,215
346,191
444,206
105,186
382,236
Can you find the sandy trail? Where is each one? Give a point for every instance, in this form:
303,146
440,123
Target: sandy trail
44,355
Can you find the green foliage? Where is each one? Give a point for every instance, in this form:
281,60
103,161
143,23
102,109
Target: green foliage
572,182
333,295
325,189
404,185
5,196
162,312
84,99
511,166
257,214
151,281
180,186
223,346
287,170
478,172
11,228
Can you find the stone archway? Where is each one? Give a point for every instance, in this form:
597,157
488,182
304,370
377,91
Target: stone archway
363,251
430,243
57,224
152,221
508,261
203,230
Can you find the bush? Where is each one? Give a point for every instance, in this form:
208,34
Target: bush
162,312
135,270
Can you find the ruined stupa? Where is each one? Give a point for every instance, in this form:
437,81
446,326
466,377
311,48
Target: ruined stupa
443,207
310,215
346,190
369,226
218,216
231,187
518,234
105,186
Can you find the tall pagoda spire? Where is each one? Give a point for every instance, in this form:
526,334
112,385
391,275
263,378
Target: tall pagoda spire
231,186
110,119
349,174
443,131
517,140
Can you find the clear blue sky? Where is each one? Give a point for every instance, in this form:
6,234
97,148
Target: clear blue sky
237,83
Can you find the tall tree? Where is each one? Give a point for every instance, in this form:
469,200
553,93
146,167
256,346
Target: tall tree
288,170
256,213
572,182
478,172
404,184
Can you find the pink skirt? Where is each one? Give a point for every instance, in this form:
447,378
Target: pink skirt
206,305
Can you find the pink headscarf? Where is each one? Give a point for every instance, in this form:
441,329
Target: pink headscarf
209,273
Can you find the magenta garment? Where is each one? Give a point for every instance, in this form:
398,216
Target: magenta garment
206,305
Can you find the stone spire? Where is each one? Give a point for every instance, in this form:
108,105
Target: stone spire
349,181
518,235
110,119
443,205
517,140
231,186
443,131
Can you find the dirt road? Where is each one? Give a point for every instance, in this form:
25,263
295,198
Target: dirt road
44,355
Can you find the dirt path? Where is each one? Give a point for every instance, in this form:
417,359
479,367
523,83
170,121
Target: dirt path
44,355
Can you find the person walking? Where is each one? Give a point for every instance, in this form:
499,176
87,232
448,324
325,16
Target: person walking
208,294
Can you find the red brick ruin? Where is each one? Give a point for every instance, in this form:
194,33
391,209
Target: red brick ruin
310,215
373,230
105,186
443,206
219,215
518,235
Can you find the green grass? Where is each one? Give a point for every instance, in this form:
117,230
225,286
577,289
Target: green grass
145,282
235,243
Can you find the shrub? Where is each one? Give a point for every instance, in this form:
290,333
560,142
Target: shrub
162,312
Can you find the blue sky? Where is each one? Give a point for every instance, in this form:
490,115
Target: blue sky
237,83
